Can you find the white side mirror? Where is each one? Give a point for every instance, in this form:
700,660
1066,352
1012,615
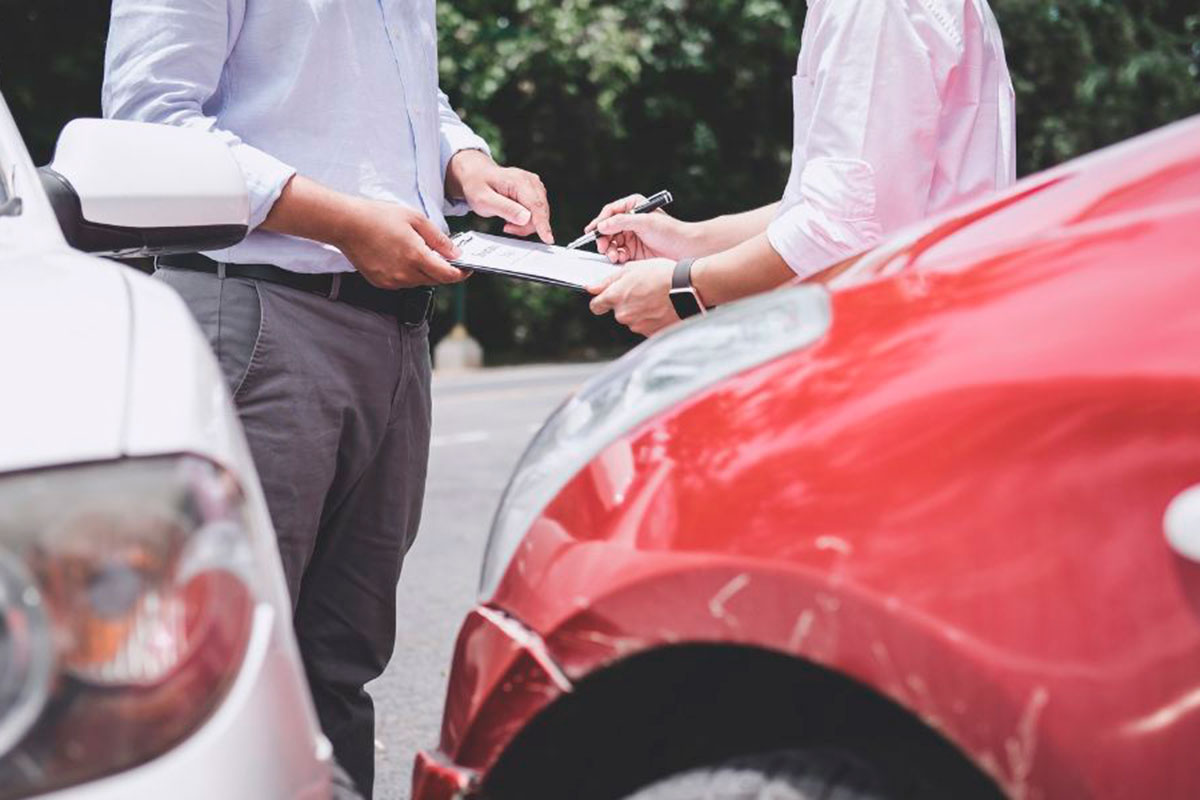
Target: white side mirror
136,189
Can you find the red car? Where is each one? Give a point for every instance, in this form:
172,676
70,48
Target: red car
924,533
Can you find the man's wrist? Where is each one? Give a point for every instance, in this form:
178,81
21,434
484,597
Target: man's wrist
343,221
459,168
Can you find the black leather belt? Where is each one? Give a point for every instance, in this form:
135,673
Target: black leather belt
409,306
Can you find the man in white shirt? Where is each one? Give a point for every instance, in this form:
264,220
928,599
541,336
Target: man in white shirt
902,109
352,157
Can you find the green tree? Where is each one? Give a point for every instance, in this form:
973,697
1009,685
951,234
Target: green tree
1090,73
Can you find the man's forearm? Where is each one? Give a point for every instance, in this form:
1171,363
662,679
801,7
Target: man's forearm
749,268
729,231
309,210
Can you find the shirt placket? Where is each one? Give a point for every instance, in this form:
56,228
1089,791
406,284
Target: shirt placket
416,110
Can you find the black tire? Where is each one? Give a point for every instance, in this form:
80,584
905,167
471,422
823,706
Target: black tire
782,775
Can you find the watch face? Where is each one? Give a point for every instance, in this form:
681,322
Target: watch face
686,303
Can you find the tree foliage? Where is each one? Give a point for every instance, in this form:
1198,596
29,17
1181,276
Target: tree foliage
606,98
1090,73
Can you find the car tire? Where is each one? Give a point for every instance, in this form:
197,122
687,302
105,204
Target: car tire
781,775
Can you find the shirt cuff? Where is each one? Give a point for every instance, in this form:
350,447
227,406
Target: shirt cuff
455,139
810,243
265,178
827,215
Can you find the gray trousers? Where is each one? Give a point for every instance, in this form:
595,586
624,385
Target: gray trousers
335,401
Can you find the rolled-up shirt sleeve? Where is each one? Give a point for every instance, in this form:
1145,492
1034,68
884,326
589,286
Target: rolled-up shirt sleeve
455,137
163,64
868,103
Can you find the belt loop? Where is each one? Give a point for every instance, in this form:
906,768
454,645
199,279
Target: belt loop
335,286
429,304
155,262
221,270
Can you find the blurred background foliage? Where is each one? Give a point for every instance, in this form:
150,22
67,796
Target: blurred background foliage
607,98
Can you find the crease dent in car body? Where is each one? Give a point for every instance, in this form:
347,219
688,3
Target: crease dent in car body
146,649
898,530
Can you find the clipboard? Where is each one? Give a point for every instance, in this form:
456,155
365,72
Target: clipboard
531,261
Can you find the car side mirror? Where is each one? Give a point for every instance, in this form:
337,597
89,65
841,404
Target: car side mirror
137,189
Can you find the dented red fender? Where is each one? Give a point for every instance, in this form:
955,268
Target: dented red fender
956,497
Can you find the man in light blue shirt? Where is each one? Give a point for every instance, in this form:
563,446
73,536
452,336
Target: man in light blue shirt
353,157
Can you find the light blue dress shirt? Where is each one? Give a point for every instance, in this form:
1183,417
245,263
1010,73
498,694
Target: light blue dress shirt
344,92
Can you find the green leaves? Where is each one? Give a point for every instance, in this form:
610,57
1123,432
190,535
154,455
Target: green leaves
1092,72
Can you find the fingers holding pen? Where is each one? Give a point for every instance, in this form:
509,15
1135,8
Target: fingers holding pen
622,206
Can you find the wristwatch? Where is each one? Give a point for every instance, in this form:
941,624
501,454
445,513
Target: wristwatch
683,295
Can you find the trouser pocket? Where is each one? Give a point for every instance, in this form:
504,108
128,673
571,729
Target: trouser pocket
229,312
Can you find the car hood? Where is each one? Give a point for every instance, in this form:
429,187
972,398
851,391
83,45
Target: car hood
64,322
101,362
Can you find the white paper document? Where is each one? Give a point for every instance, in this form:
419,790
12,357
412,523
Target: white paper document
532,261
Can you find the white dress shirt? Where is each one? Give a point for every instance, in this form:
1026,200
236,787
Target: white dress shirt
902,109
344,92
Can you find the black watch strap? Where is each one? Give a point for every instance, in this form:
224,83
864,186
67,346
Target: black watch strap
683,295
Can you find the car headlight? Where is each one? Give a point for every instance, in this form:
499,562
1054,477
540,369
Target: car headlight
662,371
126,603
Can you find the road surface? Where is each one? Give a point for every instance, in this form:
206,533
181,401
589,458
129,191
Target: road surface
482,423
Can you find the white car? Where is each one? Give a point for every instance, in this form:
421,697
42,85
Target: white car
146,648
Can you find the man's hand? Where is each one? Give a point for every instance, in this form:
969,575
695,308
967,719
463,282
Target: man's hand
635,237
638,296
395,247
391,245
516,196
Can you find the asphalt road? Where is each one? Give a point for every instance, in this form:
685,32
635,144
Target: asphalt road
482,423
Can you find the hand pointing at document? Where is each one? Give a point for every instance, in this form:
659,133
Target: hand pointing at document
515,195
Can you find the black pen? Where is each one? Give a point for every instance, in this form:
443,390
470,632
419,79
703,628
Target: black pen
653,203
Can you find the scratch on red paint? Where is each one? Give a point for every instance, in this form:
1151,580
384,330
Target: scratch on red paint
716,606
801,630
835,543
1022,747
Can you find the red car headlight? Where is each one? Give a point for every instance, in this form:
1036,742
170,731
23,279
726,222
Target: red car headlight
126,602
